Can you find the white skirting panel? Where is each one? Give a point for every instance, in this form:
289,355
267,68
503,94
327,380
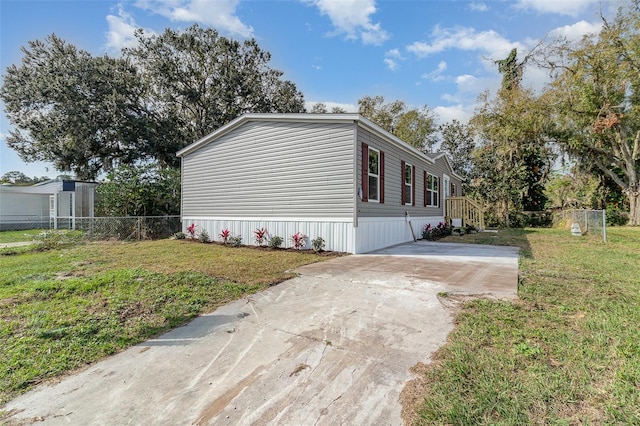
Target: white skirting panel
339,235
374,233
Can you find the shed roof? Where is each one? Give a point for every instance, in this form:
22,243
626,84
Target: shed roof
51,186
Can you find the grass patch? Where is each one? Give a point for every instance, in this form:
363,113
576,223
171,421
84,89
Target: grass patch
567,352
19,236
65,308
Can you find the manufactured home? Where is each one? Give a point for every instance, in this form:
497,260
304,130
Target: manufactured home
340,177
47,204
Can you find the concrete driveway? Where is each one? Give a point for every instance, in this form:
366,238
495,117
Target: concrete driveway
333,346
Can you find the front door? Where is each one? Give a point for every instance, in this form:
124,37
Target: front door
446,186
446,192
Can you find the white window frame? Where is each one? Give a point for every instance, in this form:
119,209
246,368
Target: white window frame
375,175
430,191
409,201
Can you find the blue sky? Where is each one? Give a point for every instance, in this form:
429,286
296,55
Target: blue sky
435,53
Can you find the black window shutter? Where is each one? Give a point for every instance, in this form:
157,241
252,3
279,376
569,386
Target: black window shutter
402,200
425,187
381,185
365,172
413,186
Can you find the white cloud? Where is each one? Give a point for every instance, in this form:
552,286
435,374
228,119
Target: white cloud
460,112
391,64
560,7
576,31
463,38
220,14
478,7
353,19
121,31
391,58
436,75
536,78
474,85
393,53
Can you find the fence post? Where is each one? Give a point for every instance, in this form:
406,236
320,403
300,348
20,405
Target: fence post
604,225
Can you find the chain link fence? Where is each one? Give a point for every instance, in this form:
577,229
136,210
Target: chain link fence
101,228
592,222
20,223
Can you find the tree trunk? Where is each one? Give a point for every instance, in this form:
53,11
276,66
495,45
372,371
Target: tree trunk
507,222
634,211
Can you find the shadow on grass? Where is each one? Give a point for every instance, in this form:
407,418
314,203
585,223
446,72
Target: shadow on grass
191,331
514,237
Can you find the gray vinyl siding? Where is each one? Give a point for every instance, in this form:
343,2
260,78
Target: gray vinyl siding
272,169
392,206
441,164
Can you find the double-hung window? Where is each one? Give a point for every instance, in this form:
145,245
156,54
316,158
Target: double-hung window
374,175
407,187
432,191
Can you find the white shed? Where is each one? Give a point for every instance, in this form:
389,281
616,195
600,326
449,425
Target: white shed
47,204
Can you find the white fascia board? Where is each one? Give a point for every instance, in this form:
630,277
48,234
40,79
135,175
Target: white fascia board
446,157
373,127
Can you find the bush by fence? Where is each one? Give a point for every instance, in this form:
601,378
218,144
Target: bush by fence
592,222
103,228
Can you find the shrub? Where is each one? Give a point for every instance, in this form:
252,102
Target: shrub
539,219
317,244
459,231
431,233
225,235
191,229
179,236
235,241
299,240
275,241
427,232
443,229
615,216
204,236
49,240
260,236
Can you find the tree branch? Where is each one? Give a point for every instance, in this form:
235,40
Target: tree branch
611,174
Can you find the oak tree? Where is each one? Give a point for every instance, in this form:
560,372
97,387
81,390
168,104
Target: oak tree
596,94
79,112
416,126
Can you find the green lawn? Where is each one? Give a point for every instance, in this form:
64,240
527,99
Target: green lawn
19,236
64,308
566,353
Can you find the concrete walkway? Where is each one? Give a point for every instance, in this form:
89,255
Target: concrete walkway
333,346
16,244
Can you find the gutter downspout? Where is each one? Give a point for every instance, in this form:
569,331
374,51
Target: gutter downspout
355,185
355,174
